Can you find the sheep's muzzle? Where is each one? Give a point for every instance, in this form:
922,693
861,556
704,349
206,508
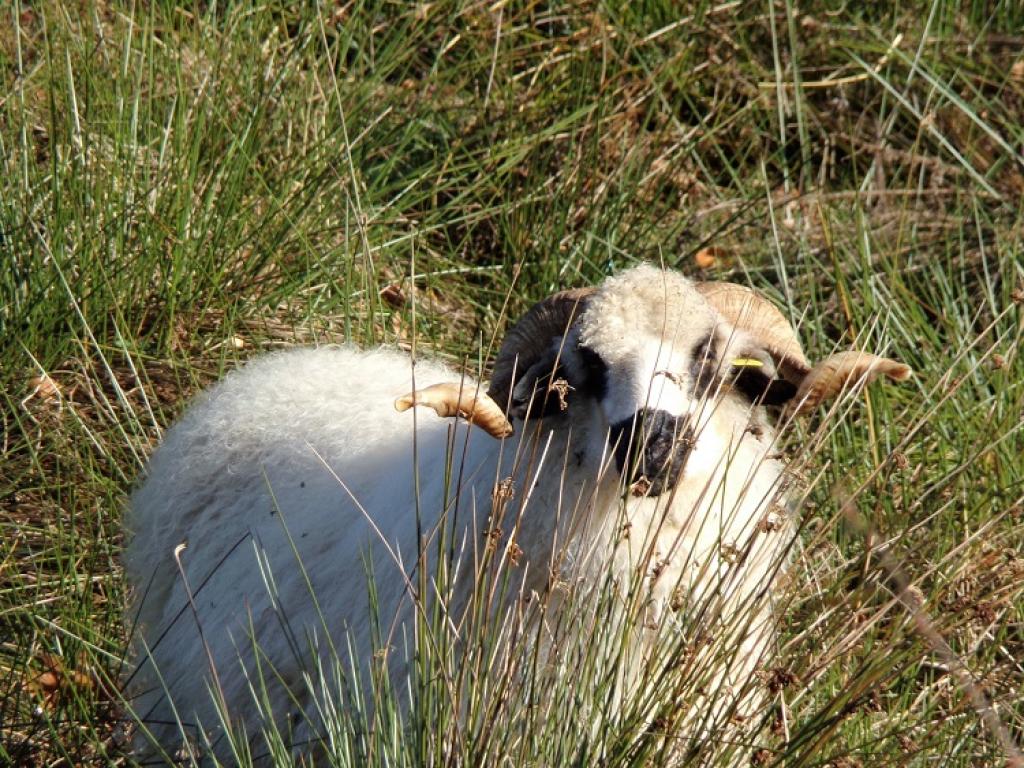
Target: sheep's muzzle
651,449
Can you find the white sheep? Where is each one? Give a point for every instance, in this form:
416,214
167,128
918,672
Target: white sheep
631,419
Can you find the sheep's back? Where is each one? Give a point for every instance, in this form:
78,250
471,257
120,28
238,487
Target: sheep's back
294,470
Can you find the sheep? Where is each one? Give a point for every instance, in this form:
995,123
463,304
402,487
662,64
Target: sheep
629,422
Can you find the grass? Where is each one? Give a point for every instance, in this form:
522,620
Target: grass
181,189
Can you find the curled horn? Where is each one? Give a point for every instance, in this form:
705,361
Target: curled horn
525,344
750,312
833,374
452,399
529,340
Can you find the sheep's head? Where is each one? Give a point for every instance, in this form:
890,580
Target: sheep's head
650,349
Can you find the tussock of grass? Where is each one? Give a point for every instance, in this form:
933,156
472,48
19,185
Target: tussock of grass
181,189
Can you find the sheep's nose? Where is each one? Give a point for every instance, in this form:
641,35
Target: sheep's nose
652,446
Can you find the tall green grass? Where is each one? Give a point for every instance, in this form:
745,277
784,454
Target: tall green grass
182,188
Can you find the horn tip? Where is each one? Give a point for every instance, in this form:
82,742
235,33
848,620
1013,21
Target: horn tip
900,372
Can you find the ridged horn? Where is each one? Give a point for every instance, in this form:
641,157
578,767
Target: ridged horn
454,399
530,338
751,312
841,370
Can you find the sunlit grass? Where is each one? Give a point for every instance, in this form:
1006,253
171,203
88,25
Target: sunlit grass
182,189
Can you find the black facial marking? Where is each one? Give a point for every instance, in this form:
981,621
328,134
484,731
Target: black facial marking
659,456
593,374
703,365
550,392
544,400
762,389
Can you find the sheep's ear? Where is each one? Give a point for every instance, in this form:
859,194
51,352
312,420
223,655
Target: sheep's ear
561,376
542,390
530,352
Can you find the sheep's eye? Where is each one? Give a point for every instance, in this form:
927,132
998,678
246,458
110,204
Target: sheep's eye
593,373
761,389
703,364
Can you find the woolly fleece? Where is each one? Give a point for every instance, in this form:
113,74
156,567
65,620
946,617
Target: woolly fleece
303,452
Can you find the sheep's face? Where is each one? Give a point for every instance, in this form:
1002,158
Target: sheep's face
651,354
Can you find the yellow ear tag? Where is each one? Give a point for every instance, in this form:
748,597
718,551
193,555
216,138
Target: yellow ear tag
747,362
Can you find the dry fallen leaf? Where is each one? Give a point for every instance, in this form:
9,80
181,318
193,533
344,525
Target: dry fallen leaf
393,295
44,387
58,680
708,257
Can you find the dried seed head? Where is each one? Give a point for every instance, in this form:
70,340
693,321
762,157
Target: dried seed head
504,491
515,553
732,554
678,600
769,523
641,487
779,678
561,388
